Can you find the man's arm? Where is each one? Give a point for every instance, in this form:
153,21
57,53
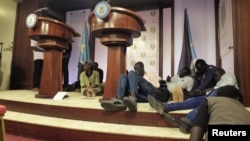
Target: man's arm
190,83
208,80
200,122
153,79
197,134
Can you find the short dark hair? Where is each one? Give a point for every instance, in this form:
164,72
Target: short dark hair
96,64
140,64
201,62
188,70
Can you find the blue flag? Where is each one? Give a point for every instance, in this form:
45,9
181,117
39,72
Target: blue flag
188,53
85,47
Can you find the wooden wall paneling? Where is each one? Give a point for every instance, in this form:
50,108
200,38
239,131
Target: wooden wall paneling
22,60
172,39
218,60
160,42
241,29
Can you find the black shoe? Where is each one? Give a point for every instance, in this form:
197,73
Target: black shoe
113,105
182,124
130,102
157,105
185,125
170,119
162,94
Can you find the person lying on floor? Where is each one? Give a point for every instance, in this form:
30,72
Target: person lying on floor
139,84
225,79
224,109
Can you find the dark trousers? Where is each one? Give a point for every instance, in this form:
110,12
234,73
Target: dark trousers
65,71
37,74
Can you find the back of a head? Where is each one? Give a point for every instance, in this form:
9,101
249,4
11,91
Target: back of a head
185,72
218,73
230,92
140,64
200,64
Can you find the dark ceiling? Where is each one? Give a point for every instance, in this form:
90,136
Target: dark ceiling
63,6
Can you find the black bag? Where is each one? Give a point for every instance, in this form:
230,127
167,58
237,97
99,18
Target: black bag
162,94
73,86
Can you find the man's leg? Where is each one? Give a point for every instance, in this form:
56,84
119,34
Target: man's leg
131,101
123,86
37,74
65,70
116,104
187,104
161,107
192,114
139,90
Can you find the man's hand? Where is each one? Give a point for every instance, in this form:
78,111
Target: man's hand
196,93
168,78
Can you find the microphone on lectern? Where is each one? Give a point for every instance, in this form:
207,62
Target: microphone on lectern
40,10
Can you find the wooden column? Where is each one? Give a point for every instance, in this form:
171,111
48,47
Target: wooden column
116,32
54,36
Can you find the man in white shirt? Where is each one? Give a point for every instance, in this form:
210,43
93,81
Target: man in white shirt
180,83
38,55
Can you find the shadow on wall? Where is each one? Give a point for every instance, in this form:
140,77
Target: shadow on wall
1,77
16,78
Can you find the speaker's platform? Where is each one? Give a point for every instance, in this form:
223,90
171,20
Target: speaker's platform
78,118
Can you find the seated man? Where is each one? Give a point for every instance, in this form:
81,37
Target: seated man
89,80
180,83
139,84
225,109
203,78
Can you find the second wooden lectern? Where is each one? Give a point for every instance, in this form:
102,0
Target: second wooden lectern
54,36
115,30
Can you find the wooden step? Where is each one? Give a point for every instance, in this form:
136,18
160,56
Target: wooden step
78,117
61,129
79,107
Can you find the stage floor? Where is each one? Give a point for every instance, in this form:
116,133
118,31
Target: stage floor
75,99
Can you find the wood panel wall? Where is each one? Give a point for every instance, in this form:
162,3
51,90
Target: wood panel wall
22,60
241,30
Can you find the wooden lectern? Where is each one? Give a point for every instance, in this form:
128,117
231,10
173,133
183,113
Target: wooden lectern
116,32
54,36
